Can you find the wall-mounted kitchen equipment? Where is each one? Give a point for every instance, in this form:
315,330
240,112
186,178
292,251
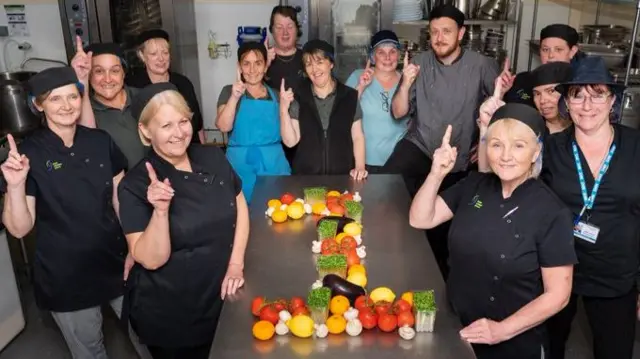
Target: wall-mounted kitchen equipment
121,21
604,34
16,116
251,34
613,55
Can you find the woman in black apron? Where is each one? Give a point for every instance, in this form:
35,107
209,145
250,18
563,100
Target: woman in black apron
187,225
511,249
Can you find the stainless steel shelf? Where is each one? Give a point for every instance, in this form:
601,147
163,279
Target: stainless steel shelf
467,22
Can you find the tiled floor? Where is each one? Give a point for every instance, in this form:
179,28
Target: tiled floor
42,340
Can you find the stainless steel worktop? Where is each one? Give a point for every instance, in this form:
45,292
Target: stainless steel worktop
279,263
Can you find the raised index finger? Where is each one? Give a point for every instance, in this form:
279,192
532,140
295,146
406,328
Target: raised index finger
238,74
368,66
446,139
506,65
152,173
79,47
266,42
497,92
12,144
406,59
282,89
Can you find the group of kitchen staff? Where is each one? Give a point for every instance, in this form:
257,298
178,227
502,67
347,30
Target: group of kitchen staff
129,204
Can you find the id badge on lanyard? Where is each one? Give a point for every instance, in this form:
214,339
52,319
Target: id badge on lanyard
581,226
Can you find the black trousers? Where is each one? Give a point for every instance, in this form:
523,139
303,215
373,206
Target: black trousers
612,322
414,166
199,352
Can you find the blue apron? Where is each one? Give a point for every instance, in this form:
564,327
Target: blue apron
255,147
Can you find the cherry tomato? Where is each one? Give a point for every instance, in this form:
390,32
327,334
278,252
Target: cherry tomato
406,318
256,305
329,246
295,303
387,322
382,307
280,305
348,243
270,314
368,318
401,306
287,198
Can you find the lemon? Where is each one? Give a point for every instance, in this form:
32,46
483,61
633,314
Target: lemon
295,212
357,268
279,216
275,203
352,229
340,236
408,297
301,326
334,194
357,278
318,208
382,293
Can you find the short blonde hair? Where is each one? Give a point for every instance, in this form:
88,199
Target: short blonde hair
157,41
512,126
169,97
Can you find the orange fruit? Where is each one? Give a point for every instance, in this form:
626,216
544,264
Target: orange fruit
408,297
339,304
336,324
275,203
357,268
318,208
263,330
334,194
340,236
279,216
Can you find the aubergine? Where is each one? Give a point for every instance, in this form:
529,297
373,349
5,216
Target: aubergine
342,221
340,286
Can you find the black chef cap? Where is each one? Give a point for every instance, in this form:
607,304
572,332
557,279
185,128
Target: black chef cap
252,46
105,48
152,34
384,37
314,45
51,79
562,31
449,11
140,101
551,73
523,113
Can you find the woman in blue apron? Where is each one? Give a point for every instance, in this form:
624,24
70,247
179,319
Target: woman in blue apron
249,111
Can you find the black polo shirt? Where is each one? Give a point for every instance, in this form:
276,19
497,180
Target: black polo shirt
521,91
609,267
185,87
179,303
497,247
290,68
80,248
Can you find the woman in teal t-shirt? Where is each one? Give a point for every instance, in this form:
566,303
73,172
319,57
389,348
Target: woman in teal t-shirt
376,85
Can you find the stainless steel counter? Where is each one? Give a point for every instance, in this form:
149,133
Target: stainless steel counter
279,263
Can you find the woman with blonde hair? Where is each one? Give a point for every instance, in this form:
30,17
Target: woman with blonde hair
187,226
511,254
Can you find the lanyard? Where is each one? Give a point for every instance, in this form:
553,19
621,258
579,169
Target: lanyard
589,199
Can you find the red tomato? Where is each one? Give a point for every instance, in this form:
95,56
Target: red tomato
280,305
336,208
256,305
406,318
270,314
295,303
346,197
334,200
300,311
287,198
329,246
348,243
352,258
382,307
401,306
368,318
387,322
363,302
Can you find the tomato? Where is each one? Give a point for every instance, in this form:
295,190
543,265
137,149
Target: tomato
336,208
363,302
256,305
406,318
295,303
270,314
300,311
401,306
329,246
387,322
382,307
368,318
352,257
348,243
346,197
334,200
287,198
280,305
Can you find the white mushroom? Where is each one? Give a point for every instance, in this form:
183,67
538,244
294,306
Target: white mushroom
356,197
406,332
317,284
300,200
281,328
284,207
307,208
270,211
284,315
351,314
361,252
316,247
358,239
354,327
322,331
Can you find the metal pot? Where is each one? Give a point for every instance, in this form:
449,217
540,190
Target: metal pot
604,34
16,116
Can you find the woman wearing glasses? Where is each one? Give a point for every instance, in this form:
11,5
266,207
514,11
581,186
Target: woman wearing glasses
593,168
376,86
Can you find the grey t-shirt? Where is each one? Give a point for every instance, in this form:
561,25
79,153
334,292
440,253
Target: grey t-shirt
122,127
324,105
449,95
225,95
